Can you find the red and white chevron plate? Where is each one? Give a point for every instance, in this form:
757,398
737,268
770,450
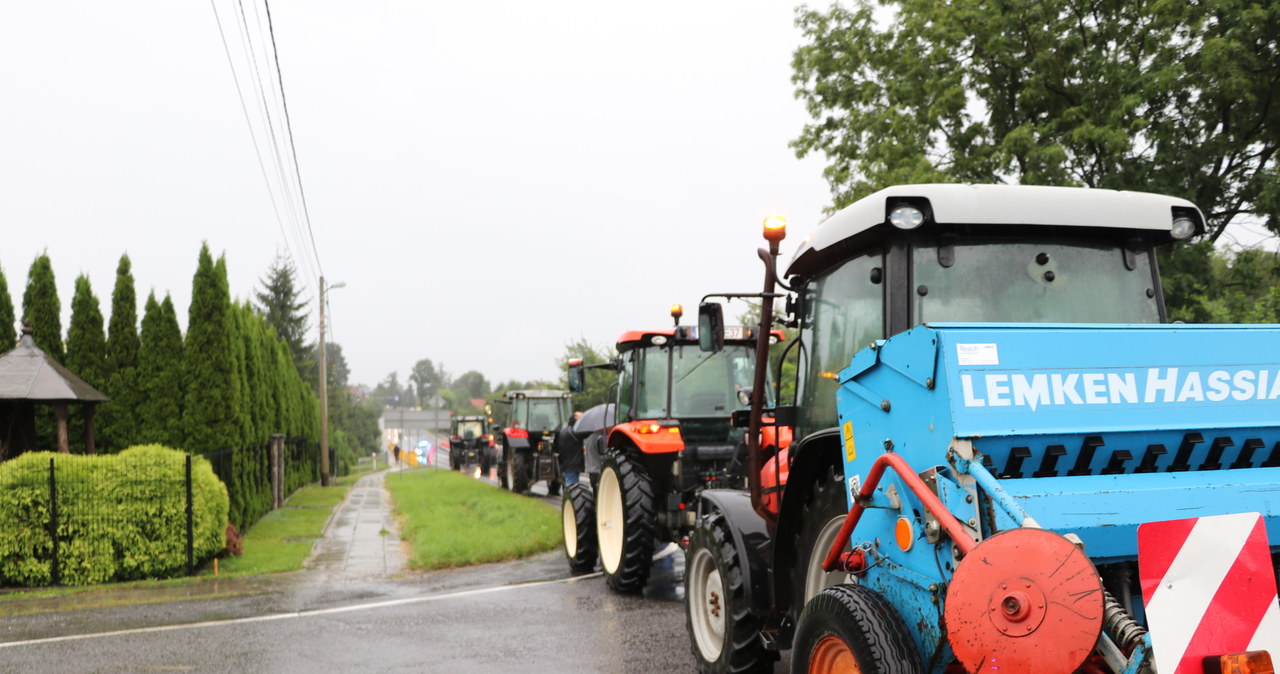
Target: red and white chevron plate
1209,589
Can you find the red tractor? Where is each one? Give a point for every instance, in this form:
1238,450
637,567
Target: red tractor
527,438
673,437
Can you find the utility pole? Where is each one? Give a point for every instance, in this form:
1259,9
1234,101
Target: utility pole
324,391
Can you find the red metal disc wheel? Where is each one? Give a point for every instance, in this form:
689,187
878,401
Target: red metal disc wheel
1024,600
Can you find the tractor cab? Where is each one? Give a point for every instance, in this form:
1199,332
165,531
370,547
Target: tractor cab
931,256
469,443
527,438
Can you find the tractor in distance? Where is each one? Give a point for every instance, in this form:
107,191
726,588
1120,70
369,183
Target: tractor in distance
469,443
527,436
1009,492
672,438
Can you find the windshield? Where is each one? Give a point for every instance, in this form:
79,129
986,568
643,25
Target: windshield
469,430
704,384
540,414
1052,281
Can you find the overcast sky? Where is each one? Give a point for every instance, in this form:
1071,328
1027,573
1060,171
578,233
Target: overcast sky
491,180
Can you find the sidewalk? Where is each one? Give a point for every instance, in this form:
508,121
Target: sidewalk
361,540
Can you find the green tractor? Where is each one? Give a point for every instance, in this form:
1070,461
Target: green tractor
528,438
469,443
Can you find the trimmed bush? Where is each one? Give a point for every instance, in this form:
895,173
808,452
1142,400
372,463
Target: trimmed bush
120,517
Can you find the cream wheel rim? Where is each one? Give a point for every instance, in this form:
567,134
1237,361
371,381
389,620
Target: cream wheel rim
609,520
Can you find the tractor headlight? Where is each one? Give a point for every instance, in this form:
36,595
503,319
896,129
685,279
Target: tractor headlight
906,216
1182,227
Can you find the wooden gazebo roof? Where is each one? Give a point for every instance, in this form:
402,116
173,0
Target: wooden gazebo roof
27,373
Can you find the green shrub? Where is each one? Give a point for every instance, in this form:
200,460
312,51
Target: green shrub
120,517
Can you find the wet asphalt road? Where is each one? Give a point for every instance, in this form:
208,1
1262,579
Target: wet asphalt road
525,616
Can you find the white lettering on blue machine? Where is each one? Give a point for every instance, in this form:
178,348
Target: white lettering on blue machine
1126,387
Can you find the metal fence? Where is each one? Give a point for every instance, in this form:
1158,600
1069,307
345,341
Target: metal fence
94,533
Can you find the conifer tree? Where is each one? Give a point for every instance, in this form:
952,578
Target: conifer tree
159,413
279,303
8,323
209,362
119,418
41,308
86,348
86,341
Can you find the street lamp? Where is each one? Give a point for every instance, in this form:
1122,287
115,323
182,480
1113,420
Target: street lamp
324,390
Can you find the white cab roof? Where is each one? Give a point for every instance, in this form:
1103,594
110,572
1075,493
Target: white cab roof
1006,205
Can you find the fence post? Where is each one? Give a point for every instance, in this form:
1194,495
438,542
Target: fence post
277,469
55,575
191,543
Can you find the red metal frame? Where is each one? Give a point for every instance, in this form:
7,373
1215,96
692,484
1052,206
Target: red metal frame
917,486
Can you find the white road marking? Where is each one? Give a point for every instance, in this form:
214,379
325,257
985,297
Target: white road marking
298,614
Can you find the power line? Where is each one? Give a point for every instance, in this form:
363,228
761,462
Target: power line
290,204
293,151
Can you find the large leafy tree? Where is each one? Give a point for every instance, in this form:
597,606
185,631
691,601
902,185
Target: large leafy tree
119,420
8,326
209,362
281,303
427,379
1180,98
41,308
159,413
1173,97
596,381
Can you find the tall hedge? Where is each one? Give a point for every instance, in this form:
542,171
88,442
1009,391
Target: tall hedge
121,517
211,403
119,418
8,323
159,412
86,353
41,308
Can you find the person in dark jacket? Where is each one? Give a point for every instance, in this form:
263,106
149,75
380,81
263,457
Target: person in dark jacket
569,450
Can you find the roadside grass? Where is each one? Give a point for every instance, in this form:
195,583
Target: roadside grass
282,540
451,519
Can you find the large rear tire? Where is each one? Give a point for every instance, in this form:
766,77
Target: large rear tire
725,635
849,628
823,513
520,472
577,509
624,523
506,470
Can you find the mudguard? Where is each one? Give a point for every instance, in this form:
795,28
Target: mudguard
750,538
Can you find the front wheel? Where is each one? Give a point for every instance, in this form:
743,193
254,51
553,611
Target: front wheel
724,633
578,513
850,628
624,523
506,471
485,463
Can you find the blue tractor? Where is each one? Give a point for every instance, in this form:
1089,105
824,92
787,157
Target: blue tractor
1003,458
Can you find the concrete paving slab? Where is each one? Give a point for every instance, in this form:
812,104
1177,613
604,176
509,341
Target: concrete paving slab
361,540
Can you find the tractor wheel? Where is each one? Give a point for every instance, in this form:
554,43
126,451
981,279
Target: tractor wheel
849,628
506,471
578,511
485,463
823,513
520,472
624,523
553,487
454,463
724,633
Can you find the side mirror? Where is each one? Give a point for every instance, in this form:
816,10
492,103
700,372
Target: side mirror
575,376
710,326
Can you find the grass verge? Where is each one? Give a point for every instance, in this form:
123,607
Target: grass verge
451,520
282,540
